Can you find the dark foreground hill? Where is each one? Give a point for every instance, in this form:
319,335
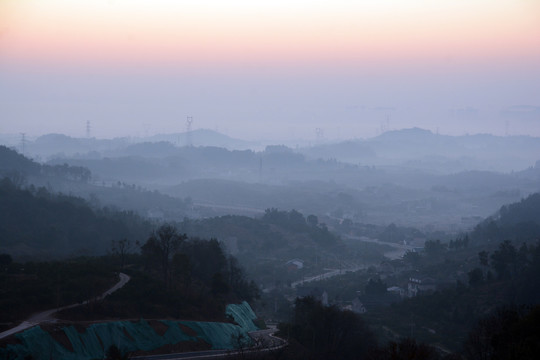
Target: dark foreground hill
37,223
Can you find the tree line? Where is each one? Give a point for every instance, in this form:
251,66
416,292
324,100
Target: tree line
326,332
177,261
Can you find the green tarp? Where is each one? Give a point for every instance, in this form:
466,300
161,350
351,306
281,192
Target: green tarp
243,315
94,340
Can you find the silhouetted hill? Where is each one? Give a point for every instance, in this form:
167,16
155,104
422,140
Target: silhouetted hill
162,162
149,149
35,222
203,137
265,244
62,145
524,211
532,172
18,168
349,151
78,180
59,145
11,161
518,222
423,149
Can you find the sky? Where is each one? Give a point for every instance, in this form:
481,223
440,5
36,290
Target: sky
269,69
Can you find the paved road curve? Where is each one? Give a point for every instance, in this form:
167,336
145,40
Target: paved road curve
397,253
46,315
264,341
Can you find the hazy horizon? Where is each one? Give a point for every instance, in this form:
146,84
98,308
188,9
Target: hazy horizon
270,70
262,140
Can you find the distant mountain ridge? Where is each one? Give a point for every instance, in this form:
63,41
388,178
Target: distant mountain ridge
204,137
54,145
424,149
412,148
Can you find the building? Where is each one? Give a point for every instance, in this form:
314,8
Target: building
418,285
294,264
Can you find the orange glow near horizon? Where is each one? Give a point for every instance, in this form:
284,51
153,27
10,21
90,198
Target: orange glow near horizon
275,32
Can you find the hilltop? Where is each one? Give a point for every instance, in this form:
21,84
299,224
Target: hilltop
423,149
519,222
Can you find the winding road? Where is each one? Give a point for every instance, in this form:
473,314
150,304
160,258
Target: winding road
46,315
397,252
264,341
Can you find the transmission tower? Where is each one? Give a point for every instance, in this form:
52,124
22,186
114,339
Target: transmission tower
146,129
189,122
320,134
88,128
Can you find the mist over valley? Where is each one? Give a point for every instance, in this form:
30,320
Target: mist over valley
273,180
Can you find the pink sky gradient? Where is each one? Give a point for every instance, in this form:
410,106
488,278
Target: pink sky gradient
146,32
427,56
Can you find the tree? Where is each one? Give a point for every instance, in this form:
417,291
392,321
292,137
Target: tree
240,342
504,260
406,349
121,248
434,247
238,282
181,270
5,261
207,258
509,333
476,277
160,248
296,219
376,287
411,257
328,332
312,220
114,353
483,258
219,285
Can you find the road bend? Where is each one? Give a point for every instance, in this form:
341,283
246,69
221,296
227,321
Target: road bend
47,315
264,341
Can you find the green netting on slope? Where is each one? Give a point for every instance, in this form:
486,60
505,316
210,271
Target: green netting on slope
130,336
37,343
127,336
174,333
243,315
94,341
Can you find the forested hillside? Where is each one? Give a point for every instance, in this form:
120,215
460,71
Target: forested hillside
35,222
18,168
172,276
519,221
